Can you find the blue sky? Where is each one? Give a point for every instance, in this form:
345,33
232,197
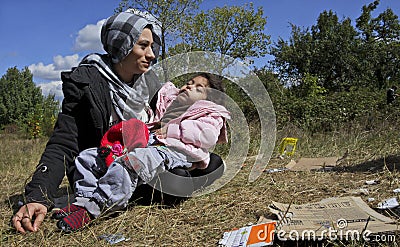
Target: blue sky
49,36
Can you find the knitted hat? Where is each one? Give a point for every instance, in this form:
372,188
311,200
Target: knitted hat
121,31
122,138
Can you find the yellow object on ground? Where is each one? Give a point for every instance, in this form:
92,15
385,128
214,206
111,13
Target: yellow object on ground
288,146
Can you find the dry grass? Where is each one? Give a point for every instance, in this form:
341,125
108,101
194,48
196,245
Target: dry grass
201,221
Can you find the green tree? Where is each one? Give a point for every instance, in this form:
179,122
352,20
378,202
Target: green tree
171,14
335,46
22,103
327,50
293,58
50,110
230,30
364,21
18,96
381,45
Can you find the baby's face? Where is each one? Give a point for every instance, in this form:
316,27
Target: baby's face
193,90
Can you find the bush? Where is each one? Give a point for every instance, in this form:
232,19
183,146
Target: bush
329,112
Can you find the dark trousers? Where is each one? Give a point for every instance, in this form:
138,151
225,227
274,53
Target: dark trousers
146,194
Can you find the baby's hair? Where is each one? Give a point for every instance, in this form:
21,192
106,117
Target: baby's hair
214,81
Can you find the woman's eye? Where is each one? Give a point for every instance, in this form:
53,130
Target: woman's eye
143,45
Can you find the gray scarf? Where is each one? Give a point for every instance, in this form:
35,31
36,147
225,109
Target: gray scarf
129,102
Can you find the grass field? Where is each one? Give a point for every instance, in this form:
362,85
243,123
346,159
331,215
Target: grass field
201,221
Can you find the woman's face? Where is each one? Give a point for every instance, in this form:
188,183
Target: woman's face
139,59
193,90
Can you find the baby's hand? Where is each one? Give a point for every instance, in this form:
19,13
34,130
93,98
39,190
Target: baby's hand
161,131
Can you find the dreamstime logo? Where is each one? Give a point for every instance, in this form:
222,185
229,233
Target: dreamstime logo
334,234
237,73
341,223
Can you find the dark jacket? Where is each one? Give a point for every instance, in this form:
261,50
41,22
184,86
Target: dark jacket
85,115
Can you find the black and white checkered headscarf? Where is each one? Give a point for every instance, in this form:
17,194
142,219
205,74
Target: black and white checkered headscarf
119,34
121,31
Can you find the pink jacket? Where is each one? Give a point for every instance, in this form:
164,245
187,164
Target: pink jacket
167,93
197,130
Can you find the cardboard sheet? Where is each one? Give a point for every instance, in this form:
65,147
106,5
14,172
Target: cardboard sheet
340,215
310,164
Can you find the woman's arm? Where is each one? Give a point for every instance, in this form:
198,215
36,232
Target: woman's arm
74,130
60,150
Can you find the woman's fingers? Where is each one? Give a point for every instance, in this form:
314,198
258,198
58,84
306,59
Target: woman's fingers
22,220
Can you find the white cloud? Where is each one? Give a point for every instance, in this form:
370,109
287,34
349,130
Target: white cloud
44,71
65,63
54,87
88,38
53,71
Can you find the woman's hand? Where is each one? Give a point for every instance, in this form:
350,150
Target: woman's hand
22,220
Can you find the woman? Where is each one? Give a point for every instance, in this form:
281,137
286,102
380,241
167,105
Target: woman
95,98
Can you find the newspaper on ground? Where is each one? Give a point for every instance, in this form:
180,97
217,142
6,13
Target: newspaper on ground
250,236
338,217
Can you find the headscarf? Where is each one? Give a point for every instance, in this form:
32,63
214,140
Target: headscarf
119,34
121,31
